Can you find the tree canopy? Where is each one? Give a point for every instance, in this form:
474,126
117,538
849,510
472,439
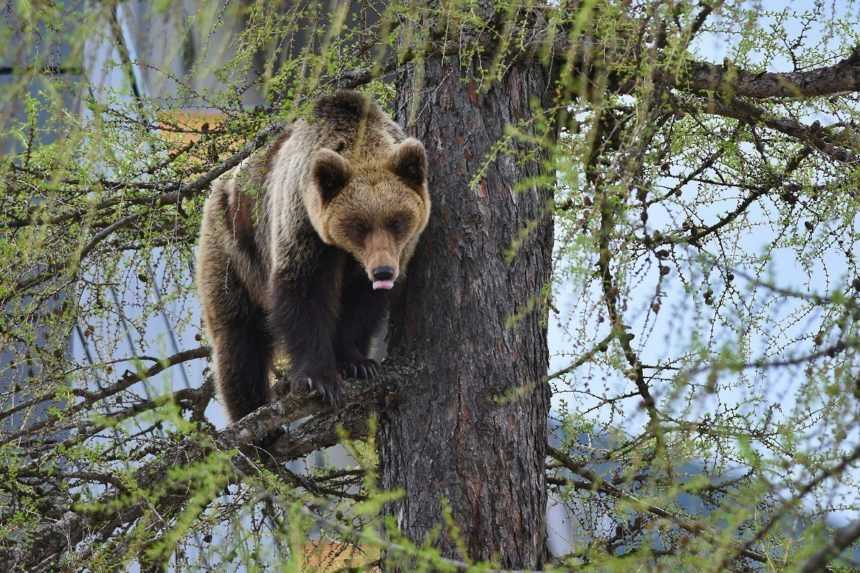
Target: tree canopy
689,171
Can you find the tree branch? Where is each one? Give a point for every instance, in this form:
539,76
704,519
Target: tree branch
602,485
841,77
815,136
700,77
314,425
807,489
89,398
843,538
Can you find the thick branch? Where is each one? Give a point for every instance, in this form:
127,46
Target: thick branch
318,430
841,77
699,77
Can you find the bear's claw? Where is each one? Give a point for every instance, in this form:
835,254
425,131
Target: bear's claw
329,388
363,369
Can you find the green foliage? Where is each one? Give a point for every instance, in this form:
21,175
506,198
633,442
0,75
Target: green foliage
703,312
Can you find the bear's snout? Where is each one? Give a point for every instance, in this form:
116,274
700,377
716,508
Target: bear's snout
383,273
383,277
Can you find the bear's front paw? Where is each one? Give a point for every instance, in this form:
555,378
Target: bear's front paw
363,369
326,383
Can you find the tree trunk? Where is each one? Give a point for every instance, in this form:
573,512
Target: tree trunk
470,429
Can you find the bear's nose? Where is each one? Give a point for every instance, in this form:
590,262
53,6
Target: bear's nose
383,273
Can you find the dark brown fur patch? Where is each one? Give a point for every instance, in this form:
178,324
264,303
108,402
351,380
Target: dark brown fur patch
344,106
409,163
331,172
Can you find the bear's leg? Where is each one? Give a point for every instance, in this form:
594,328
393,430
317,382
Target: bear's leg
303,320
241,345
242,350
361,315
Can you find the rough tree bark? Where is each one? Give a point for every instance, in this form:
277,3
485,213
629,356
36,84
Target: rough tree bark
470,428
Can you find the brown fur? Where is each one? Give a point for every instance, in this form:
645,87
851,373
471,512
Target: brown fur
291,239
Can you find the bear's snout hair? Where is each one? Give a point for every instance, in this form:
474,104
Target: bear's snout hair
382,259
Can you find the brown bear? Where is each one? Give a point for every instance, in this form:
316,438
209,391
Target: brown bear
301,245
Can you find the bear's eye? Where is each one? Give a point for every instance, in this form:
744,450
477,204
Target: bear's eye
358,229
396,225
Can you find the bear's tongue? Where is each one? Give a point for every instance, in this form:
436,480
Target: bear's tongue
384,285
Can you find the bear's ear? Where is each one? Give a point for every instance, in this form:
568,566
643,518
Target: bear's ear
331,173
409,163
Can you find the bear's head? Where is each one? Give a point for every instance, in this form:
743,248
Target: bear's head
374,209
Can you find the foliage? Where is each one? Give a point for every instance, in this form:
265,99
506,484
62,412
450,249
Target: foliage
703,315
